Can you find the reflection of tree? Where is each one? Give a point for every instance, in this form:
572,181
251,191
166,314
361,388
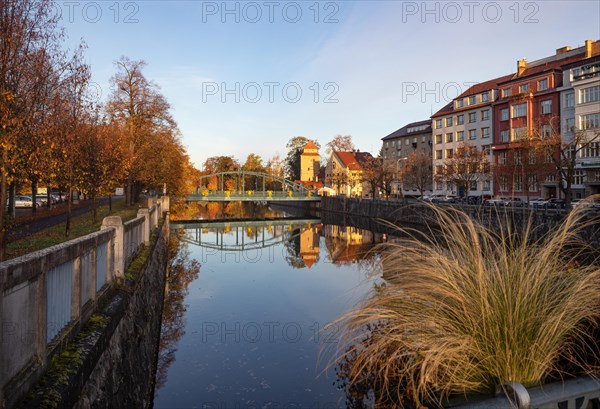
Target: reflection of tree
221,210
293,256
182,271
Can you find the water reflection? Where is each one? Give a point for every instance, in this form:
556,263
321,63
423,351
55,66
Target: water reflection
248,331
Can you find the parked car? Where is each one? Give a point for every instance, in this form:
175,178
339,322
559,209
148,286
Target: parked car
23,201
538,203
514,202
556,203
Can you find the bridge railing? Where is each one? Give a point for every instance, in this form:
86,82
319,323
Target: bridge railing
47,295
252,195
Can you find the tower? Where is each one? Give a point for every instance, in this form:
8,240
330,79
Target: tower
309,163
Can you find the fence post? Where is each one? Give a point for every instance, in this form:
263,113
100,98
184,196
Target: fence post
145,225
164,204
118,267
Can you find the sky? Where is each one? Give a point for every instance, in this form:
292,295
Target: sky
245,77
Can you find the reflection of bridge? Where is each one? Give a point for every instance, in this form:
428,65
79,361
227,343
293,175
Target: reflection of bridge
250,186
268,233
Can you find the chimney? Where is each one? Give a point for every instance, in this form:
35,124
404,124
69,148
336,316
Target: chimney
592,48
521,65
562,50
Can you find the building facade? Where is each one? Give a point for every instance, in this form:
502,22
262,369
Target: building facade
580,122
344,173
527,111
468,119
399,145
310,163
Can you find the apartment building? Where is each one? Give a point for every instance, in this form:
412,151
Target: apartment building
528,109
580,121
467,119
397,146
344,173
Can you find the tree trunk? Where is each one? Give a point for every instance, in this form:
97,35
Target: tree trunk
3,202
110,203
68,223
12,192
128,191
34,196
48,198
94,209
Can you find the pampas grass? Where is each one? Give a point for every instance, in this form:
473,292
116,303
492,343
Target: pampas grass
466,309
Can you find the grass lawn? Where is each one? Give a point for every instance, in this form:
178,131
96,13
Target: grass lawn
80,226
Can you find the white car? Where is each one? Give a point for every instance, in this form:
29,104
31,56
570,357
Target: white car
23,201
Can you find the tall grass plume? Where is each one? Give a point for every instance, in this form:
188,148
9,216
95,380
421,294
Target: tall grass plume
467,308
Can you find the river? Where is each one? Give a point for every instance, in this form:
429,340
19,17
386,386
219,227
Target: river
247,307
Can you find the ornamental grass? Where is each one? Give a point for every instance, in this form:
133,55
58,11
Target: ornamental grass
466,308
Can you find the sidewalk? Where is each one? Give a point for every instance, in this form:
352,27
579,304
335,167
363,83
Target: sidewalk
41,222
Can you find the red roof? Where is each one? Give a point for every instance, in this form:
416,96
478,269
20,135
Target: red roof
310,145
353,160
485,86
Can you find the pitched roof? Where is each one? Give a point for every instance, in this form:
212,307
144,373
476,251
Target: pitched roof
310,145
485,86
353,160
404,130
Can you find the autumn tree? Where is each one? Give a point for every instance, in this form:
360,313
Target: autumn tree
566,150
417,172
274,167
139,105
253,163
28,29
466,166
219,164
340,143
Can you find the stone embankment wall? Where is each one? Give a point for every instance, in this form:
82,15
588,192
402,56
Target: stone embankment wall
373,215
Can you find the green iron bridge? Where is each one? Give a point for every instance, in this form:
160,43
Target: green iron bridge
249,186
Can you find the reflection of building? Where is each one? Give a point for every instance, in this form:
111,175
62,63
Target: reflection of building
347,244
344,173
309,245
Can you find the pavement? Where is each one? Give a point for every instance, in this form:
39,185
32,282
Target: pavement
25,229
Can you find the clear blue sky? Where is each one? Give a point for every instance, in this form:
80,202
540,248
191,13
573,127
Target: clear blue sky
378,64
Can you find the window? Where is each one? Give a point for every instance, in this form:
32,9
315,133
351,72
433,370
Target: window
542,85
406,141
517,158
569,124
502,158
532,183
472,100
438,123
590,121
548,157
591,150
546,106
472,133
506,92
519,110
460,136
423,138
504,114
524,88
485,133
546,131
485,97
460,119
503,183
591,94
569,100
486,185
473,117
438,138
579,177
485,114
450,121
438,154
449,153
487,149
597,176
504,136
460,103
519,133
449,137
518,183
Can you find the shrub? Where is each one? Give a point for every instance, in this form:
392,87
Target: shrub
466,308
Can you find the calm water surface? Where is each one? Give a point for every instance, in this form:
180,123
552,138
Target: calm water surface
247,329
